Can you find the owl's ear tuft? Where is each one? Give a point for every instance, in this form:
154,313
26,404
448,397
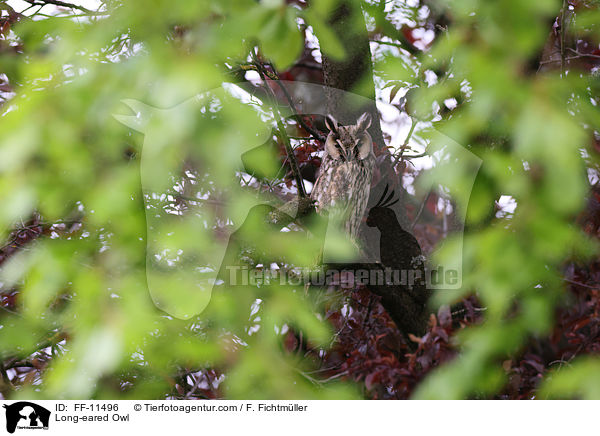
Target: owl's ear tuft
331,123
364,122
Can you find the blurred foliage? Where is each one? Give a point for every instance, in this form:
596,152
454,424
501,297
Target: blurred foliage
77,318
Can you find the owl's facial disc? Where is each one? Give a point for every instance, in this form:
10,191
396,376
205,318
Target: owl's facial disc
349,143
365,146
333,148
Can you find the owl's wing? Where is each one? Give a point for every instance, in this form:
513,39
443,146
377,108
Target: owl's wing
322,192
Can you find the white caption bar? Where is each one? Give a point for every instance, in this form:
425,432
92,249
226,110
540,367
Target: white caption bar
297,417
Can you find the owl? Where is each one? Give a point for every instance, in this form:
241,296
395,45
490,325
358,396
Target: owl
344,179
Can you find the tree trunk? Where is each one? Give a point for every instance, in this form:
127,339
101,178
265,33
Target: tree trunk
354,73
354,76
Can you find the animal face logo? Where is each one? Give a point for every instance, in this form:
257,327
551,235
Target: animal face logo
185,245
24,414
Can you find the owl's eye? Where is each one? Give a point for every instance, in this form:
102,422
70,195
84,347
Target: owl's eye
340,149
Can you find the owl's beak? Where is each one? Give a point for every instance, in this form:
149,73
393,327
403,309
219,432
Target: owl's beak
343,151
347,152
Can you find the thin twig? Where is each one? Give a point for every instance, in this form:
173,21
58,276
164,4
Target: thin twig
275,77
333,377
391,44
412,226
197,200
12,312
475,309
400,156
562,37
281,128
573,282
62,4
579,54
288,97
569,58
406,47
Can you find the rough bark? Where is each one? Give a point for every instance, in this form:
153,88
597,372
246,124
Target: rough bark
353,73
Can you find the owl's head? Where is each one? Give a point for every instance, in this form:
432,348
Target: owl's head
349,143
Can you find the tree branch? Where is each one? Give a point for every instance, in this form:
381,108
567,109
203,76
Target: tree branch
282,133
305,126
273,75
400,156
61,4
